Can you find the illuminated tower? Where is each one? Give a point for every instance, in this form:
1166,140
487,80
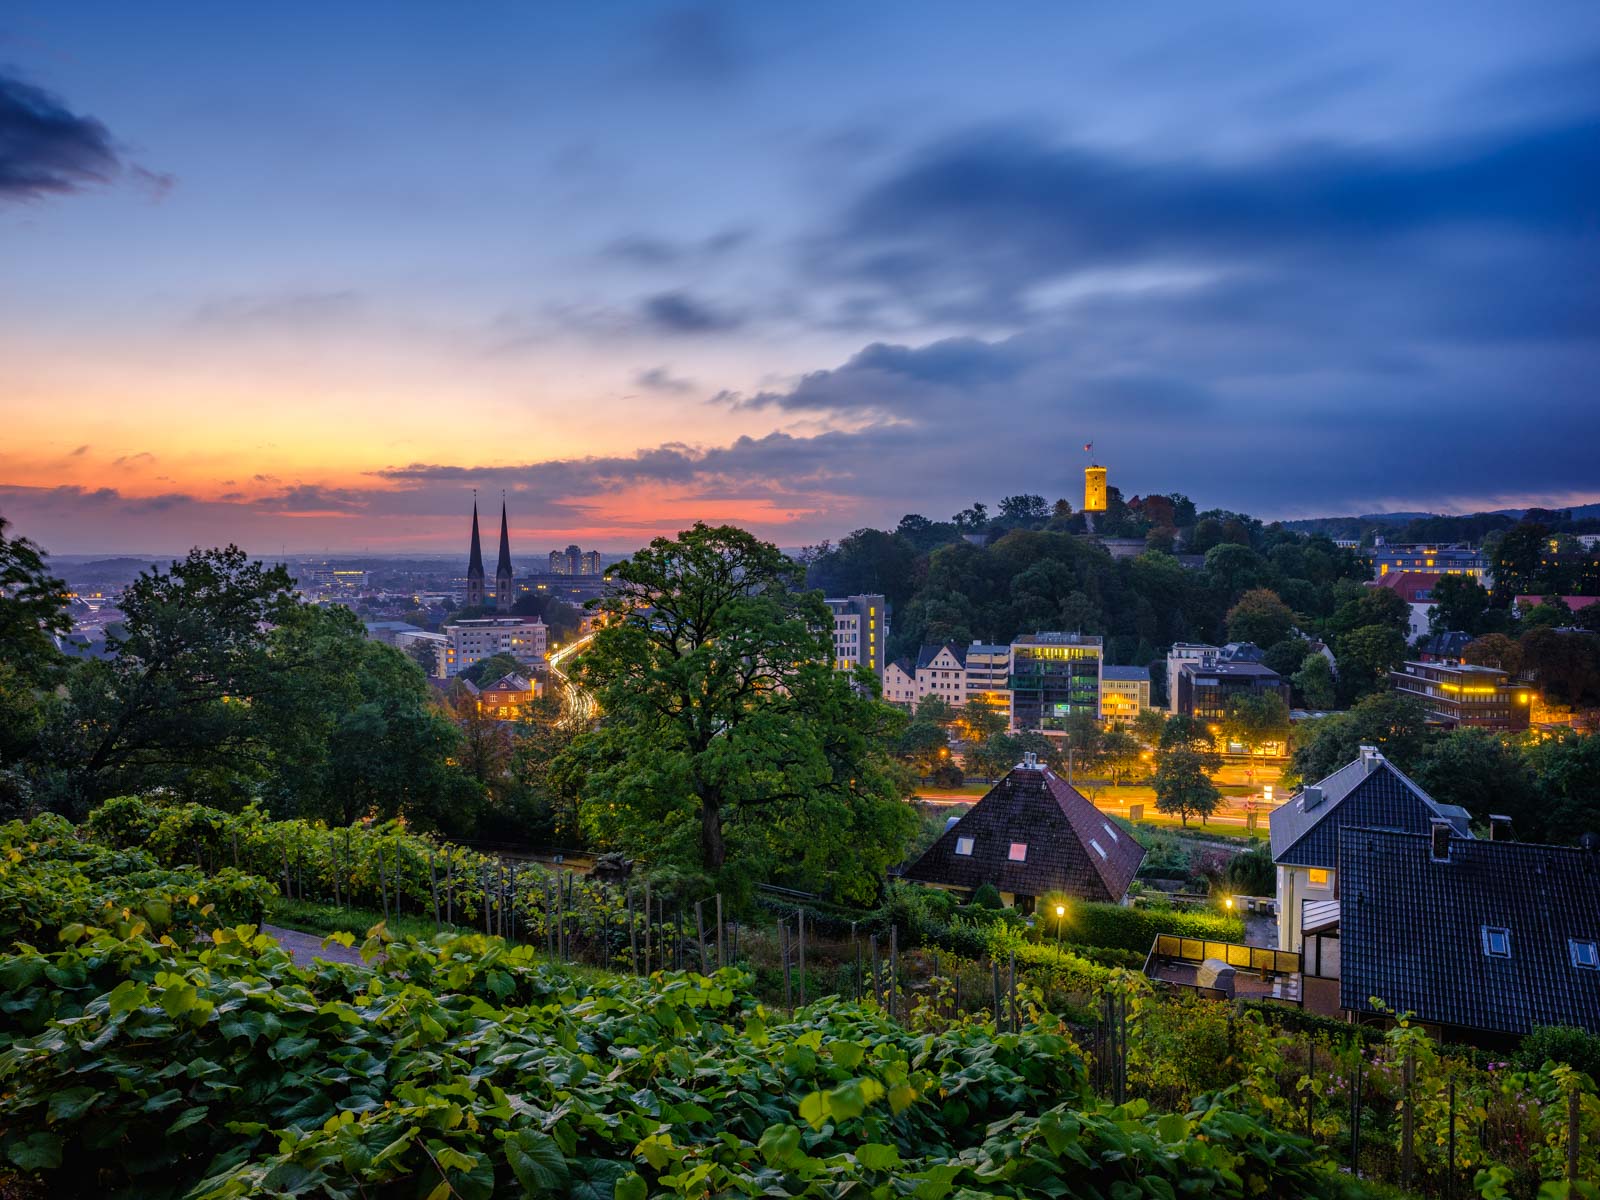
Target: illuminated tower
475,563
1094,489
502,570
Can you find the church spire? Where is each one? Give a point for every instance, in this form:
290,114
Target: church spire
475,562
502,570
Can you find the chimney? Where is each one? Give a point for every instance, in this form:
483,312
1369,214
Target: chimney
1370,758
1499,827
1030,760
1440,833
1310,797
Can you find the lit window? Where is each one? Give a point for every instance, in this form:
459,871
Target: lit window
1318,877
963,845
1496,942
1098,848
1585,955
1018,852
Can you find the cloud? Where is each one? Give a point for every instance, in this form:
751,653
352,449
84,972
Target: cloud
650,251
45,148
132,460
80,451
681,313
661,379
694,44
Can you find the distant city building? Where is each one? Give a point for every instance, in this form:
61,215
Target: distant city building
900,683
475,590
574,560
860,632
1457,695
506,697
474,639
989,677
329,577
1053,676
1447,647
1124,693
504,591
1208,687
942,672
1444,560
1184,652
387,631
504,588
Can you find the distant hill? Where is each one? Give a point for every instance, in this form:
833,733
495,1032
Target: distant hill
1426,526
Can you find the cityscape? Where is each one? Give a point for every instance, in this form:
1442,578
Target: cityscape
581,616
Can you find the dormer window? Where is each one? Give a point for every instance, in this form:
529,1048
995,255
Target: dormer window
1018,852
964,845
1496,942
1585,955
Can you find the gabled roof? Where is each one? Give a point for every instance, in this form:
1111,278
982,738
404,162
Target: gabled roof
905,665
1411,585
927,654
1411,931
1072,848
1369,792
509,682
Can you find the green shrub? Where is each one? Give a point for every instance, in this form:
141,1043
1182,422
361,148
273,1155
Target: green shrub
987,896
1567,1044
1114,926
1253,873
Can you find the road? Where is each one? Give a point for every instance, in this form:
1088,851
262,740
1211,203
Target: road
578,702
303,947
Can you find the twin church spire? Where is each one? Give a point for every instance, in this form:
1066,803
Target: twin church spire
504,592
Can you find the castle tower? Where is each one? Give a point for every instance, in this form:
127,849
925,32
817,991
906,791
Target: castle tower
475,563
1094,489
502,572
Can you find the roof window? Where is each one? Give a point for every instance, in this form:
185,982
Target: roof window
1018,852
1585,955
1111,831
964,845
1496,942
1099,849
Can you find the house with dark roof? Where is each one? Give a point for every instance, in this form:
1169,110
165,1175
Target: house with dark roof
1370,793
942,672
1032,836
900,682
1475,936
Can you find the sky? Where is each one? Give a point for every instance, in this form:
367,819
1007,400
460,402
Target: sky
303,276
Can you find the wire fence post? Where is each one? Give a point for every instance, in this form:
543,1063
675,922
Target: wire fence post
1572,1136
800,929
1450,1152
722,945
783,948
633,934
700,932
894,969
1355,1113
1407,1123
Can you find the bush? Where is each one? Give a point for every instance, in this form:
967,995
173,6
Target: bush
1577,1048
987,896
1114,926
1253,873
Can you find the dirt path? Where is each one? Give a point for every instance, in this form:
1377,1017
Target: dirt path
303,947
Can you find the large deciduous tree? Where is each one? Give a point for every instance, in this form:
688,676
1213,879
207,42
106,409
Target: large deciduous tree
1182,786
726,732
1260,617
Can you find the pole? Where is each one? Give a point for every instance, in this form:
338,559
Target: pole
800,927
722,944
1016,1017
633,936
1450,1178
700,932
1407,1125
647,926
783,948
1572,1136
894,970
433,885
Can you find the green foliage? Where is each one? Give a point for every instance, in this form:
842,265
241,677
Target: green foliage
1114,926
728,738
986,897
1314,683
1260,617
485,671
1577,1048
1253,872
1182,785
1395,724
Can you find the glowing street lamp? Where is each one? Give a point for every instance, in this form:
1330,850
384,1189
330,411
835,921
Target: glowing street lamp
1061,919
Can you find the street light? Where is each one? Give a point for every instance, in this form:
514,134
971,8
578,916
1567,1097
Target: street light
1061,919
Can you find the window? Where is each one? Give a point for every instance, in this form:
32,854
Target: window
1018,852
963,845
1318,877
1585,955
1098,848
1111,831
1496,942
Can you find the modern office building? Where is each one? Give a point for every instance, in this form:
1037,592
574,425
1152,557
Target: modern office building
574,560
1443,560
988,676
1184,652
1207,687
1124,693
1460,694
860,632
474,639
1053,676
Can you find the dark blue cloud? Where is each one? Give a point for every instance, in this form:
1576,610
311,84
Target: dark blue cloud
680,312
46,148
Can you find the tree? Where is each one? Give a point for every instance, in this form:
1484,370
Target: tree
1367,655
1363,606
972,518
1314,683
980,721
1148,726
1256,718
726,733
1234,569
1120,754
1183,732
1459,602
33,609
1024,510
174,704
924,745
1550,613
1494,650
489,670
1260,617
1183,787
1395,724
1288,656
1566,665
1484,774
935,710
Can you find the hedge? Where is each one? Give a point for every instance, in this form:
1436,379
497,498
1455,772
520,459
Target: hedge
1116,927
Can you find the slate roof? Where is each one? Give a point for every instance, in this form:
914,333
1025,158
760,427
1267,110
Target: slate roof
1412,930
1446,645
511,682
1061,829
1370,792
1126,674
927,654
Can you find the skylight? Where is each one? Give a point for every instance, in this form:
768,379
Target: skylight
1496,942
1099,849
1018,852
963,845
1111,831
1585,955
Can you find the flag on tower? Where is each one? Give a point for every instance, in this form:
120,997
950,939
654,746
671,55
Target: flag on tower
1088,447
